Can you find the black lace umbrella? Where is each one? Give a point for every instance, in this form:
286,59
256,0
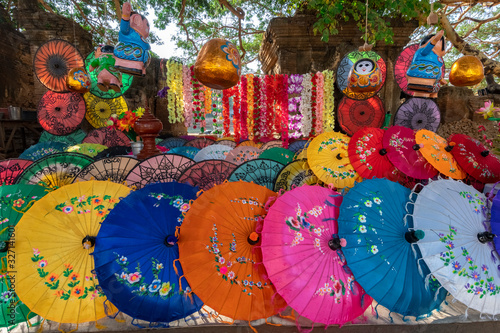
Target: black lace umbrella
107,136
114,169
207,174
260,171
418,113
61,113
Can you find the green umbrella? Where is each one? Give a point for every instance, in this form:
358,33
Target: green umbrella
15,200
89,149
72,139
281,155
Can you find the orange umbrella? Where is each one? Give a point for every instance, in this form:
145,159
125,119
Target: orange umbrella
250,143
220,254
437,152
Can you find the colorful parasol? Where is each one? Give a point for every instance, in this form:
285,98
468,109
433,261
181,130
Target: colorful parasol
136,250
61,114
71,139
227,142
160,168
54,171
126,81
53,241
328,158
404,153
345,67
43,149
243,154
436,151
303,257
369,157
418,113
219,252
89,149
189,152
52,62
207,174
114,169
295,174
114,151
12,310
272,144
199,143
172,142
458,245
11,169
278,154
212,152
99,110
298,145
475,159
354,115
249,143
107,136
259,171
379,248
495,220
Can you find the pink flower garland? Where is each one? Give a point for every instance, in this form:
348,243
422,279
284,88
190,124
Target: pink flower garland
263,107
187,91
294,118
283,96
244,107
318,128
256,107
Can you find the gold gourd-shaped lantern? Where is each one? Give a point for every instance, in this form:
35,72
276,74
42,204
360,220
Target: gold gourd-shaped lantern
78,80
466,71
218,65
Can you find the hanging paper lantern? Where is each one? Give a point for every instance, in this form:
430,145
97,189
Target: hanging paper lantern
365,76
218,65
78,80
466,71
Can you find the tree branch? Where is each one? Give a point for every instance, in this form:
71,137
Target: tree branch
236,12
44,4
465,3
86,19
118,10
181,23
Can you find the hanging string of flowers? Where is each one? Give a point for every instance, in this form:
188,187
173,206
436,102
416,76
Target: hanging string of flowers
314,85
256,107
318,126
305,105
250,106
283,95
187,91
197,98
225,112
263,108
267,117
244,107
236,114
208,100
294,93
328,100
278,83
172,116
217,112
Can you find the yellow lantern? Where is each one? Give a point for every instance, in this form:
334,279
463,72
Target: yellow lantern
466,71
78,80
218,65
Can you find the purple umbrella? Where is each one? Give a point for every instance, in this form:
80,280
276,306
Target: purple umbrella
418,113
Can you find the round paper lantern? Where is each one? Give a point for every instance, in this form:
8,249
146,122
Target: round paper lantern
365,76
466,71
78,80
218,65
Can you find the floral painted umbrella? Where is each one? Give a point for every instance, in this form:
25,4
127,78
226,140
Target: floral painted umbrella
295,174
259,171
458,245
42,149
54,240
71,139
212,152
136,250
189,152
272,144
278,154
249,143
11,169
199,143
227,142
88,149
99,110
206,174
108,137
61,113
303,257
328,158
160,168
115,169
243,154
219,252
380,248
418,113
354,115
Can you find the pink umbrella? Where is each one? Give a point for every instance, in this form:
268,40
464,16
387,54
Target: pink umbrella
403,152
107,136
304,260
243,154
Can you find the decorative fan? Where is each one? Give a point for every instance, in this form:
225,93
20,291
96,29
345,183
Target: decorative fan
345,67
52,62
126,81
260,171
107,136
61,114
159,168
418,113
99,109
354,115
207,174
114,169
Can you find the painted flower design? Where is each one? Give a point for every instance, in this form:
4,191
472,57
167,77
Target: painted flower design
123,276
159,266
133,277
184,207
6,296
52,277
18,202
42,263
362,229
143,288
232,54
230,275
165,288
155,286
68,209
374,249
362,218
222,260
377,200
77,291
123,260
368,203
475,275
177,203
74,277
456,265
223,270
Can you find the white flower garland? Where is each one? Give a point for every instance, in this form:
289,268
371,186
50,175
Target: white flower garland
305,105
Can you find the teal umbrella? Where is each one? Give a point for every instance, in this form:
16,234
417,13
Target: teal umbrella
259,171
71,139
281,155
43,149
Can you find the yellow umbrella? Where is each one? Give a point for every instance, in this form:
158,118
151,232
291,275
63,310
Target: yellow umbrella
54,240
99,110
327,156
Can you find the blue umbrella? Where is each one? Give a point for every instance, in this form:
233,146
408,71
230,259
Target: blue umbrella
379,248
259,171
298,145
172,142
136,251
186,151
42,149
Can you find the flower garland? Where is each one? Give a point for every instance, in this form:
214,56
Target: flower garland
217,112
318,127
244,107
305,105
225,112
236,113
278,83
177,89
263,108
250,106
267,115
256,107
328,100
295,118
208,100
187,91
314,94
198,102
283,95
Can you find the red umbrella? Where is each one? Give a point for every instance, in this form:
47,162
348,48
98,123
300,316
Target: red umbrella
368,156
61,113
107,136
11,168
53,60
200,143
403,152
354,115
475,159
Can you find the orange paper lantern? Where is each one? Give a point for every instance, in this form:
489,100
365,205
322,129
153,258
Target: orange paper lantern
78,80
466,71
218,65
